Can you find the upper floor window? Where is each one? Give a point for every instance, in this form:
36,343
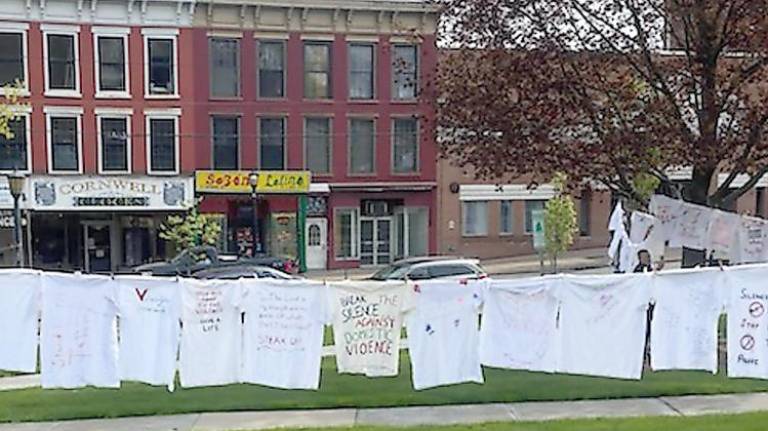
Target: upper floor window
271,68
405,145
362,142
225,142
64,149
317,70
114,142
405,72
272,146
62,63
163,143
317,144
361,67
14,154
160,74
225,67
12,57
111,64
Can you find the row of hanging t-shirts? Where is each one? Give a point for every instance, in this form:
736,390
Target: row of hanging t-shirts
589,325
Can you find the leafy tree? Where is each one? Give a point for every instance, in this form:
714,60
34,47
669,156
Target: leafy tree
191,230
560,221
611,92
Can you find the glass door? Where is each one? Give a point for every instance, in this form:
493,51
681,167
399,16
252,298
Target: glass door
375,240
367,241
383,241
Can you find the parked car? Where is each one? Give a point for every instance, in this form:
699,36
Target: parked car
432,268
233,272
190,261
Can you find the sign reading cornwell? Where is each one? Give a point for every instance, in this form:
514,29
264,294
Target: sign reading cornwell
235,182
105,193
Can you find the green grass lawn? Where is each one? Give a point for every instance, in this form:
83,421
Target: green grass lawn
353,391
747,422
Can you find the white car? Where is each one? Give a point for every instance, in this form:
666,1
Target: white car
432,268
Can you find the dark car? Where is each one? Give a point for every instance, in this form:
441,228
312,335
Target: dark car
190,261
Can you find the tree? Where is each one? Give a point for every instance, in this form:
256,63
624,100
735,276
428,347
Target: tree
191,230
610,91
560,221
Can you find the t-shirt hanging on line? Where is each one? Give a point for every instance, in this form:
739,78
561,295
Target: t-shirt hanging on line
752,244
211,336
692,227
443,333
283,333
667,211
367,319
685,319
150,310
19,311
603,323
747,321
79,331
519,325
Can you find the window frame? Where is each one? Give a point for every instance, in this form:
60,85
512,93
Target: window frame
111,32
284,90
284,120
161,34
329,171
374,170
61,30
23,30
328,72
354,235
374,50
416,72
238,66
64,112
464,232
511,213
25,115
238,146
393,137
171,114
113,115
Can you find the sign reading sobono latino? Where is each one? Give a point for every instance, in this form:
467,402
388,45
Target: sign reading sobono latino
287,182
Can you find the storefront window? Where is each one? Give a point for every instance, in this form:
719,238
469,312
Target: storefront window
345,233
418,228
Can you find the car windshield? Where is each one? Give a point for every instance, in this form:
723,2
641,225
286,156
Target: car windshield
392,272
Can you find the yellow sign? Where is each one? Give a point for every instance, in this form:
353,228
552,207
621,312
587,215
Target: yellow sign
286,182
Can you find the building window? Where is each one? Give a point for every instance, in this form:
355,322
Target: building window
115,144
345,226
225,67
161,66
760,202
585,209
530,207
317,145
163,145
271,69
474,218
405,72
12,64
505,218
61,51
226,138
317,70
272,136
64,143
111,64
362,142
13,150
405,145
361,67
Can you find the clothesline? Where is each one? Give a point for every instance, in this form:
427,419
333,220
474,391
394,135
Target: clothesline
100,330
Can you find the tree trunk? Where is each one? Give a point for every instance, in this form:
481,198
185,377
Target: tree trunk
697,192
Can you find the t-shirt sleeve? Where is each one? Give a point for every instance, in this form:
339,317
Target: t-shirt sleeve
329,296
410,297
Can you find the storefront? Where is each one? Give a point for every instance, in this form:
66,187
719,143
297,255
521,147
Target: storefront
8,224
102,223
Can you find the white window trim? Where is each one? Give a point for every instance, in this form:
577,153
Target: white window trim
165,35
305,148
284,119
99,32
22,29
28,169
100,145
74,32
393,137
350,173
159,115
464,232
64,112
393,87
510,232
258,68
374,74
354,236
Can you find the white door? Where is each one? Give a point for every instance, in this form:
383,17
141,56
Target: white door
317,243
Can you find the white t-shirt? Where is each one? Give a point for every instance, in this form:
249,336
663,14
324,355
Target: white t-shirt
722,233
667,211
685,319
283,334
616,221
443,334
692,227
79,331
519,325
19,309
150,310
647,234
367,319
751,246
602,324
747,321
211,335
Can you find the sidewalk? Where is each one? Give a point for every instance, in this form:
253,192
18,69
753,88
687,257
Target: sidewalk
413,416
